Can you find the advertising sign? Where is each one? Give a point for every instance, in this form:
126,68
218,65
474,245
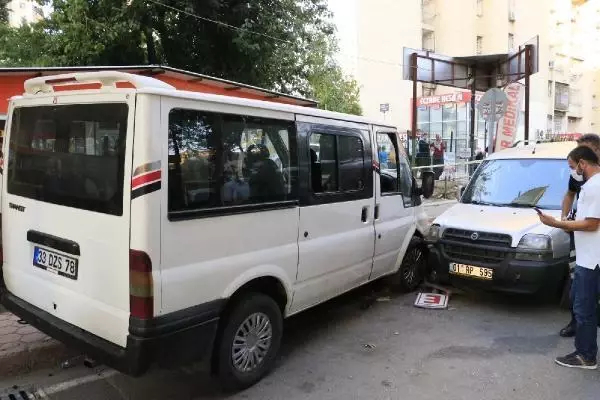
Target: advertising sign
507,127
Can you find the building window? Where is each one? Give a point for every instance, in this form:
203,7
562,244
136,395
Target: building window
223,160
511,42
549,88
479,45
480,8
561,96
339,166
428,40
558,122
511,10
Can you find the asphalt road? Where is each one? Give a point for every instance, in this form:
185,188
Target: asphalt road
370,344
366,345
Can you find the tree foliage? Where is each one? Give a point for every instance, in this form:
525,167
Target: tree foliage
334,90
267,43
4,11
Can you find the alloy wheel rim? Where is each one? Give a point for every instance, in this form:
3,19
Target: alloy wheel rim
252,342
413,261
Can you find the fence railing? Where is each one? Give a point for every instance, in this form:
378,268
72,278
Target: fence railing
449,176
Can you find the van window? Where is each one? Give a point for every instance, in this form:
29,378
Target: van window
71,155
223,160
339,166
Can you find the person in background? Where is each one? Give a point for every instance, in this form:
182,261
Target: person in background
586,226
569,210
438,147
423,156
479,155
383,158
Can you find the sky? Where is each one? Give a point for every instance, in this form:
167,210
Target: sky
344,17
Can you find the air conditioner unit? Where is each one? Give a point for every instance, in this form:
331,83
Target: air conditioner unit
551,64
511,16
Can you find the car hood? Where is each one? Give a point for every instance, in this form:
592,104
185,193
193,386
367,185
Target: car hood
515,222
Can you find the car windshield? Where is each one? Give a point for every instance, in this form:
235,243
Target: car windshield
519,183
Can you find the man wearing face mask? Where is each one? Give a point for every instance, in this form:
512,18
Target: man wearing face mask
586,227
569,208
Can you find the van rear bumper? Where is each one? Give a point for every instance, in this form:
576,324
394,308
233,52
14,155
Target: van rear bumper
168,340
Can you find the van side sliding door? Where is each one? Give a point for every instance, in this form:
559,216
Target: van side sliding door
336,230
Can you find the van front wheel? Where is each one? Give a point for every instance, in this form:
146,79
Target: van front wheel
412,270
249,341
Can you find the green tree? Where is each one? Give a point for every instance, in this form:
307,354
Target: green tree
4,11
267,43
329,86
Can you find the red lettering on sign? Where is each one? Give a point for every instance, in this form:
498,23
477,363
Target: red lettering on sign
432,299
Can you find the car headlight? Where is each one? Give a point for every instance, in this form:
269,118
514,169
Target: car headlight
535,242
533,247
434,233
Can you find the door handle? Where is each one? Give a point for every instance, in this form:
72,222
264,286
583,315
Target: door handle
376,212
364,214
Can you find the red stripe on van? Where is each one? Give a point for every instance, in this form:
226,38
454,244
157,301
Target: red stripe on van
146,178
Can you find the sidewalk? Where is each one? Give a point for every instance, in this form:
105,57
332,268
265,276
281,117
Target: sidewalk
23,348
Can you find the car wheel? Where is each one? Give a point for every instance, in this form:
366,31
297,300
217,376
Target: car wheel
412,270
248,342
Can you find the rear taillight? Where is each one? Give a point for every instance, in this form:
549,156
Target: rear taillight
141,293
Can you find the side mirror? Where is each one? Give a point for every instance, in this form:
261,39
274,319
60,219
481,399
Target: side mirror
427,183
459,192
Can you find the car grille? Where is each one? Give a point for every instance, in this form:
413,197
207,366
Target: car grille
461,249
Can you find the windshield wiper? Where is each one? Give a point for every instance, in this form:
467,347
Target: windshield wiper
519,205
484,203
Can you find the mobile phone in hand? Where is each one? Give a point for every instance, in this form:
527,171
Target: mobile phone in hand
537,210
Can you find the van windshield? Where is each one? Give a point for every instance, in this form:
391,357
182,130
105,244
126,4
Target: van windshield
519,183
71,155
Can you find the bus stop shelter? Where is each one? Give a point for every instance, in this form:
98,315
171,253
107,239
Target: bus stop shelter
477,73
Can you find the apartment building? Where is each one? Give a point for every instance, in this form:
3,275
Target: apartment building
373,33
27,11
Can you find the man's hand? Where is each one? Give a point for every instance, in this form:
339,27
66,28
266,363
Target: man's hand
548,220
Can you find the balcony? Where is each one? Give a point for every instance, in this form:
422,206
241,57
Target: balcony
575,111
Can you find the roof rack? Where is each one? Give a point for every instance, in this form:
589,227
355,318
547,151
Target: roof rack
108,80
538,141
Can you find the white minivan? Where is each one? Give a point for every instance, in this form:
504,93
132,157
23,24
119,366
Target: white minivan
493,239
149,225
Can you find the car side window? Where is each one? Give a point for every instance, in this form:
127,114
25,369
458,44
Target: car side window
337,163
406,181
389,167
219,161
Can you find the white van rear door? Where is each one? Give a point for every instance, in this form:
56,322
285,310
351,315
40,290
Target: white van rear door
66,208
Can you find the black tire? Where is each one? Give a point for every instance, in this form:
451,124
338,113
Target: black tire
413,268
230,376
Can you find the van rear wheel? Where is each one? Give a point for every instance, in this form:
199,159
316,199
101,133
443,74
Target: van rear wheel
412,270
249,341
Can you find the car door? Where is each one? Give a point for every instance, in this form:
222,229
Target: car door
66,195
394,215
336,231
